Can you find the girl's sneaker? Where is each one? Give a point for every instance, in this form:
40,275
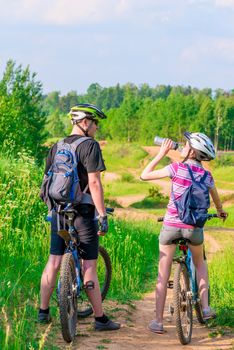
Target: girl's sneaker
156,327
208,314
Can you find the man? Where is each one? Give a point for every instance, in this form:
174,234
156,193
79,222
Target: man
84,118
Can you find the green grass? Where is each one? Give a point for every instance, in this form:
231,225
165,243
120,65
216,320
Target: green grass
218,222
119,157
224,174
24,239
121,188
222,286
24,249
150,203
224,185
133,248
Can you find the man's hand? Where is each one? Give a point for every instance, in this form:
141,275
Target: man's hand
103,225
222,214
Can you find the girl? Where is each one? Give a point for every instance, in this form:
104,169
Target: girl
198,148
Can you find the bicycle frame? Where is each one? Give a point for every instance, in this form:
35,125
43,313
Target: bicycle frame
192,276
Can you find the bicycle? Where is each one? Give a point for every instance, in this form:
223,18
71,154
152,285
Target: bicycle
185,290
71,291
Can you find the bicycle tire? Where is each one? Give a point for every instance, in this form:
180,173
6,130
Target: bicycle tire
182,304
68,297
84,307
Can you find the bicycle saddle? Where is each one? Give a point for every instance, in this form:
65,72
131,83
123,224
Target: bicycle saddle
182,241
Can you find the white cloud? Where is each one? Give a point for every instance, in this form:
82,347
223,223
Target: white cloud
63,11
66,12
77,11
211,49
224,3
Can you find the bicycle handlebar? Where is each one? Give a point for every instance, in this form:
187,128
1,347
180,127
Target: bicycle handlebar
209,216
110,210
160,219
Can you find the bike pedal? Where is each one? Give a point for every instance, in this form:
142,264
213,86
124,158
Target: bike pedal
170,284
171,309
89,285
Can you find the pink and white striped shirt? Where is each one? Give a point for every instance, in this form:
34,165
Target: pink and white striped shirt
181,179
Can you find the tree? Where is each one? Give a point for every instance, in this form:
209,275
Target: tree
220,115
55,125
22,118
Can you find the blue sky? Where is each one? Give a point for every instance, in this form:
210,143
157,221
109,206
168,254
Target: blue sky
72,43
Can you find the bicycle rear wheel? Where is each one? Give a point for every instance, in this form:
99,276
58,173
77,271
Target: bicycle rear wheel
198,310
182,304
68,297
104,272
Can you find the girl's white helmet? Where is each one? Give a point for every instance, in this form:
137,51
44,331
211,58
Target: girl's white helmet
201,144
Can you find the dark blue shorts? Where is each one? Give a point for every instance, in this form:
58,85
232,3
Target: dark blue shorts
87,228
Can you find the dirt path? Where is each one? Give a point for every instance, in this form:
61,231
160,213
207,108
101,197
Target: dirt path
134,334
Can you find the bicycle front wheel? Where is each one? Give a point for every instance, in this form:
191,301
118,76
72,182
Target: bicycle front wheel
182,304
104,272
68,297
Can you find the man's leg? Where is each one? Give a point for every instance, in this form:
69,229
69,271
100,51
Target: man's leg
48,280
90,274
102,322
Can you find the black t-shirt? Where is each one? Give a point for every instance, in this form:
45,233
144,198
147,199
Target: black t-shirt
89,158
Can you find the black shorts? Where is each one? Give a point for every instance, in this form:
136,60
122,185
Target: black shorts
87,228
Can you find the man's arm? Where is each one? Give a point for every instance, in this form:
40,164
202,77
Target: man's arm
96,190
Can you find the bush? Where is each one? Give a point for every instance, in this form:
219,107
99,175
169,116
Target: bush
223,160
127,177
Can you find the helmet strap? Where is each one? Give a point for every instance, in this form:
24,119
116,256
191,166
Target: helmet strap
186,158
82,129
86,132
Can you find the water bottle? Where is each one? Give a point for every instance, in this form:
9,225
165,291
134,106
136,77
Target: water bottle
159,140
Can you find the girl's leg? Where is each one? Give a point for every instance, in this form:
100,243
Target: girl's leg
164,269
202,273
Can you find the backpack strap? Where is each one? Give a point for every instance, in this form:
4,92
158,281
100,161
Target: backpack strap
80,140
190,172
202,180
86,198
204,177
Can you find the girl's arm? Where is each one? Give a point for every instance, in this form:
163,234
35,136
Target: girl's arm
149,173
218,204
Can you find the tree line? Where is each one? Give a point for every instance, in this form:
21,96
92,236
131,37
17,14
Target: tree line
138,113
135,113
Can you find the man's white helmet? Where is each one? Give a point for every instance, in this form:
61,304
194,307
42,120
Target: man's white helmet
201,144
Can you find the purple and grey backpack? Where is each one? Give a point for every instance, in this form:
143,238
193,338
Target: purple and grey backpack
61,185
193,205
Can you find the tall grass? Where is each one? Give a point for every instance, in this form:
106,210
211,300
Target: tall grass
133,248
222,286
24,246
